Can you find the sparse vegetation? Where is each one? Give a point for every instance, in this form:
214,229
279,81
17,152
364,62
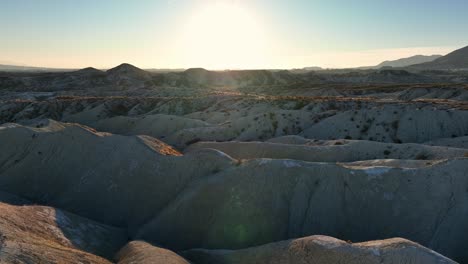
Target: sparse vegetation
277,126
422,156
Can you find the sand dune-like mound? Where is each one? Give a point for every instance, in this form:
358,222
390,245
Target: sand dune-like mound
341,151
323,250
41,234
144,253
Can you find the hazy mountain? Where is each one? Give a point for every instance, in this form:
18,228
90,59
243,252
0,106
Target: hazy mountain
457,60
417,59
403,62
18,68
89,71
128,76
306,69
165,70
126,69
314,68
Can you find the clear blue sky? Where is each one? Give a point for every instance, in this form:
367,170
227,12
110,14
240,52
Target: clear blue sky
193,33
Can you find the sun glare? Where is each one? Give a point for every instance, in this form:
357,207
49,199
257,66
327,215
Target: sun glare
223,36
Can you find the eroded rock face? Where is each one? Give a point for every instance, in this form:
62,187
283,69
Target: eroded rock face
182,121
41,234
323,250
118,180
150,189
231,160
246,170
270,200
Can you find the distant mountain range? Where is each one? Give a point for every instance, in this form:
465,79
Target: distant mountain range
404,62
19,68
131,79
400,63
456,60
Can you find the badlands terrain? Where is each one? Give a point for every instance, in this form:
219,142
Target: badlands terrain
198,166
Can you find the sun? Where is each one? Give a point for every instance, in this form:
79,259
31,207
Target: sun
224,36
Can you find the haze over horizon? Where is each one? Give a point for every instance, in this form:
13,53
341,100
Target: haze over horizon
227,34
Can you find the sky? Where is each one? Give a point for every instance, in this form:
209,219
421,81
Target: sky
227,34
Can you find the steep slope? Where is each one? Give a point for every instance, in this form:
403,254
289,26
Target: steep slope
98,175
150,189
323,250
270,200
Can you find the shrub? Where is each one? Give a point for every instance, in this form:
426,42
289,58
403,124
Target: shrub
422,156
365,128
300,105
